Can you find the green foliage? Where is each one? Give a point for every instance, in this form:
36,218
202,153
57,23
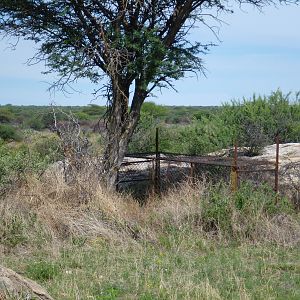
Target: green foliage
143,139
224,211
256,122
207,135
154,110
83,116
6,115
43,270
252,123
36,123
48,148
15,163
202,115
181,114
93,110
41,117
12,231
9,133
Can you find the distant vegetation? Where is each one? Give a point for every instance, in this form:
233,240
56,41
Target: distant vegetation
41,117
250,122
183,129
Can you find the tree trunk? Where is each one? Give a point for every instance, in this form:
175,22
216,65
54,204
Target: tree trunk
120,127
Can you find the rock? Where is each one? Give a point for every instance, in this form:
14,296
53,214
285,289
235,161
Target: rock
289,152
13,285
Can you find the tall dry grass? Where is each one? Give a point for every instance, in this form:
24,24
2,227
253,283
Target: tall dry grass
46,212
197,241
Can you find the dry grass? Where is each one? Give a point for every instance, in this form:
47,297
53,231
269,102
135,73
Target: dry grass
59,212
196,242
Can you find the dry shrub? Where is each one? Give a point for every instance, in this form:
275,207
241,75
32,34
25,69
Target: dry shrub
252,214
56,211
282,229
179,205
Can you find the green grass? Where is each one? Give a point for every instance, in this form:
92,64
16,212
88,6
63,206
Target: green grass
187,267
112,248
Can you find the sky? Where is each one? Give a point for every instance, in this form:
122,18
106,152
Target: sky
259,52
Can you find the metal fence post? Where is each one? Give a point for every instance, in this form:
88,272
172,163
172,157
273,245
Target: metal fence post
117,183
152,176
234,170
276,186
192,173
157,163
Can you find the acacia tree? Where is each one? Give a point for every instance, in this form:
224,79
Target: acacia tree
138,45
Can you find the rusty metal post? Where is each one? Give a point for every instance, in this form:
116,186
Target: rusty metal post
192,173
276,186
117,183
168,173
234,170
157,163
152,177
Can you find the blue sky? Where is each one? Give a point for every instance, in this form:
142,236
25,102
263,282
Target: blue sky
258,53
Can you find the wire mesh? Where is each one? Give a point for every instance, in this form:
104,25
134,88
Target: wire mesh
290,181
144,173
136,176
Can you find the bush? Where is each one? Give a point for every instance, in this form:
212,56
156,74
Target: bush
143,139
16,163
48,147
257,121
42,121
94,110
238,214
35,123
82,116
154,110
6,116
9,133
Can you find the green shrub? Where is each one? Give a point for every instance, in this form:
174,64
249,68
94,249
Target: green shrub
6,116
257,121
83,116
42,120
143,139
224,211
35,123
48,147
12,231
9,133
94,110
252,123
16,163
154,110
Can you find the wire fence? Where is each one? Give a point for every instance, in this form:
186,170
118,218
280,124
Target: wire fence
155,172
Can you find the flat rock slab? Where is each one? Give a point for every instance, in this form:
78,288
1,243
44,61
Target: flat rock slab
289,152
13,285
